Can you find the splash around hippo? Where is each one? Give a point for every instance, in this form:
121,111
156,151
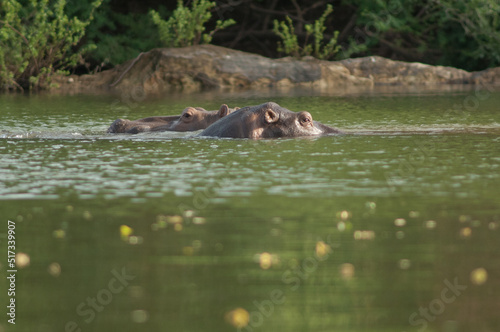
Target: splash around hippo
268,120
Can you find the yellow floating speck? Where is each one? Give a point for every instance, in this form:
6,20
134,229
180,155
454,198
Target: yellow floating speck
265,260
178,227
347,271
54,269
322,249
465,232
238,317
59,234
400,222
174,219
479,276
22,260
344,215
125,232
87,215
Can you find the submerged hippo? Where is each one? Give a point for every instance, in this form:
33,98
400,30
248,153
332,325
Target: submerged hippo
191,119
268,120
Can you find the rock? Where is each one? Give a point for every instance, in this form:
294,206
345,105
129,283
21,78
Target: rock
212,67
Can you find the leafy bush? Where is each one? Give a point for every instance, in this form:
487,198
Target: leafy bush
118,36
38,40
290,40
459,33
186,25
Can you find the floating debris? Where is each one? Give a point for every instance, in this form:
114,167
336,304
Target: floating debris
22,260
54,269
174,219
430,224
238,317
59,234
322,249
364,235
414,214
178,227
87,215
493,225
465,232
188,214
135,239
188,251
400,235
400,222
265,260
139,316
371,205
479,276
70,208
344,215
463,218
347,271
199,220
277,220
125,232
404,264
341,226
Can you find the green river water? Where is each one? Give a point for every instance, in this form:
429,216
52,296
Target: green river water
391,227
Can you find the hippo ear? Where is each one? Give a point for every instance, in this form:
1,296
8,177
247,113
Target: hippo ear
271,116
223,111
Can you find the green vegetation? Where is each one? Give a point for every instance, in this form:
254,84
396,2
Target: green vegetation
186,25
41,38
290,40
37,40
462,33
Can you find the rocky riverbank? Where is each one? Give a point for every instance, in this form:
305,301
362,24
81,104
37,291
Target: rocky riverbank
204,67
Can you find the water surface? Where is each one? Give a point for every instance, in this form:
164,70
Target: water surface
392,227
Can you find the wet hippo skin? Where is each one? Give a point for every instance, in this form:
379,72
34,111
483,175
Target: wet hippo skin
268,120
191,119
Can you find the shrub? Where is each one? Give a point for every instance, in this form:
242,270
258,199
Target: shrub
459,33
186,25
290,40
37,41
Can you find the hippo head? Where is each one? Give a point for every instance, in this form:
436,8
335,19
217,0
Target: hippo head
268,120
191,119
195,118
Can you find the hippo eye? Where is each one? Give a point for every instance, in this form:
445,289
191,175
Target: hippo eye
187,115
305,120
